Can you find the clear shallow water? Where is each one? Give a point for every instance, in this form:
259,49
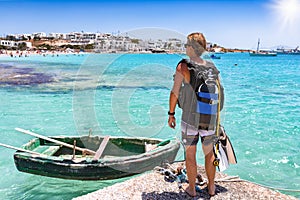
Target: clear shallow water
128,95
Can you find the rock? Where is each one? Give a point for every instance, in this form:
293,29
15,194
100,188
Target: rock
14,76
152,186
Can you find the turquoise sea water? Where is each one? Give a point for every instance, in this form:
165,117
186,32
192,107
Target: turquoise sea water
115,94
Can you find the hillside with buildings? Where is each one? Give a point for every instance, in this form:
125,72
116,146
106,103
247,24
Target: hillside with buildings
94,42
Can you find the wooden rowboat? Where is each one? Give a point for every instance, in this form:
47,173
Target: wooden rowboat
121,157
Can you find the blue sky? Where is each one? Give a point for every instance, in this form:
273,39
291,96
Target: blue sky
235,24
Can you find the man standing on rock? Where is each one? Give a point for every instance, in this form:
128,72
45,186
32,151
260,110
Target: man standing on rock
195,126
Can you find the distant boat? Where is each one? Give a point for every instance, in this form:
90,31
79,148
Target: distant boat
121,157
158,51
295,51
262,53
213,56
210,56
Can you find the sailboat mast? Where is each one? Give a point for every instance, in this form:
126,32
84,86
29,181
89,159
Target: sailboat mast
258,45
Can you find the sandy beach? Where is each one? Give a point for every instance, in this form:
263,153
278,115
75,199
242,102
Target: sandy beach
151,185
16,53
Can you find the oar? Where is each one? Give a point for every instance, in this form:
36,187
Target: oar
20,149
101,148
56,141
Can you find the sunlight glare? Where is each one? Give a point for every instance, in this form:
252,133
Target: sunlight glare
287,11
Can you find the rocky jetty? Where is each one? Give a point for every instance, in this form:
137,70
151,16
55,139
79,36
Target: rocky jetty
152,186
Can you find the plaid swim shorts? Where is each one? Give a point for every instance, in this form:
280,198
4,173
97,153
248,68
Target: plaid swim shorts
190,135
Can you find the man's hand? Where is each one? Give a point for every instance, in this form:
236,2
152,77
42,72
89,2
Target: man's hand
172,121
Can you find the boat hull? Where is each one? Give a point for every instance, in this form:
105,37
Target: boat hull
103,169
262,54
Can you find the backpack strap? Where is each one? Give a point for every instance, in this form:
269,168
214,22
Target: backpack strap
219,108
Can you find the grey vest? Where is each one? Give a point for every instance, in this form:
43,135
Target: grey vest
187,99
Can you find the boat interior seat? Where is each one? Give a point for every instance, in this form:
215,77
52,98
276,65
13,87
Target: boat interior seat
47,150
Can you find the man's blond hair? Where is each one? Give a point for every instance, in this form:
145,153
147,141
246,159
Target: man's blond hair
198,42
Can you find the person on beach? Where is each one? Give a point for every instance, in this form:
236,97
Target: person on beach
195,47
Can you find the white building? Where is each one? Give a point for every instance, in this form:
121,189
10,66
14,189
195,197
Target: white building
89,36
73,36
81,38
175,44
13,44
109,43
39,35
8,43
57,35
28,44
